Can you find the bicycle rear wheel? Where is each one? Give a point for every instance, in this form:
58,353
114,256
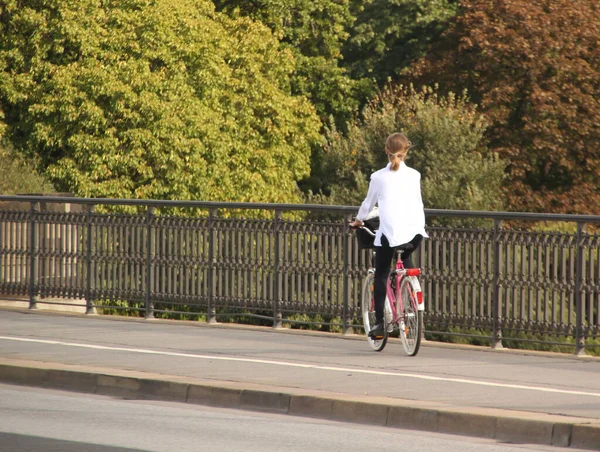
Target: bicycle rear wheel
368,314
411,319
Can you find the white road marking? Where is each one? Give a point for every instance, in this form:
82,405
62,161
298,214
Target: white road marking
304,366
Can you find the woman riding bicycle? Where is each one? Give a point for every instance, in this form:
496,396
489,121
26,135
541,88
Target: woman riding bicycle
397,191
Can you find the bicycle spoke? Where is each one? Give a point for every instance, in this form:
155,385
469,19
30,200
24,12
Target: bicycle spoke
368,314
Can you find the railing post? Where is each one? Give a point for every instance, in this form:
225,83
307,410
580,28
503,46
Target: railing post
277,280
149,306
89,304
33,258
211,315
579,284
419,262
496,322
347,237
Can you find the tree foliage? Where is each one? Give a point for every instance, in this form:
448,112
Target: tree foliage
17,175
447,133
534,69
153,99
390,34
315,31
177,99
344,48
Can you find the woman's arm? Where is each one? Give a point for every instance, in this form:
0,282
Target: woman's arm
370,201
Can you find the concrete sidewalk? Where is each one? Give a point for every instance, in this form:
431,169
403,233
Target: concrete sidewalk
508,425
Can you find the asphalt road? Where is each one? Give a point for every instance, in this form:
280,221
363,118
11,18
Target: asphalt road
39,420
470,377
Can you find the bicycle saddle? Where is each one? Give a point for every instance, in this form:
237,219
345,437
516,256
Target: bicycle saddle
405,247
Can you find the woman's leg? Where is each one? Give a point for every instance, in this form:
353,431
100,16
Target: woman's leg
406,260
383,260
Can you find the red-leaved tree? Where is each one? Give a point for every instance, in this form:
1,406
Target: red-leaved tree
534,69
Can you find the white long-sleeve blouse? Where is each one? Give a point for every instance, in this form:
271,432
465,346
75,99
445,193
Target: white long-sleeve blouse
401,212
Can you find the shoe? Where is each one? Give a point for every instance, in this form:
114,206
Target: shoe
377,331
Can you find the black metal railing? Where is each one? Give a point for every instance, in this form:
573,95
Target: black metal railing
504,277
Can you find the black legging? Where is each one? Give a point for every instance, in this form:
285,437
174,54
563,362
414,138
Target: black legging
383,260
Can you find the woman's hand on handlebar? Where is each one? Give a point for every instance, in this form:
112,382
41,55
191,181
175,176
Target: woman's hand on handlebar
355,224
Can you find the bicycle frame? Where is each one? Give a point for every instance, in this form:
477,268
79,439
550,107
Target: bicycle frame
400,273
396,299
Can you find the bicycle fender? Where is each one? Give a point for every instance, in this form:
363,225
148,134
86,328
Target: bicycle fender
417,286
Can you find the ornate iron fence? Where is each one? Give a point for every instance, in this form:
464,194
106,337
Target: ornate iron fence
505,279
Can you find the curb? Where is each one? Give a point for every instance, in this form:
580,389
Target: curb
501,425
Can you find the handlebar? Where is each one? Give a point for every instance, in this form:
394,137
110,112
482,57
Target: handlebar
364,228
371,233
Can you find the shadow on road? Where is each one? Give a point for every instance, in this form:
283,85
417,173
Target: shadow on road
14,442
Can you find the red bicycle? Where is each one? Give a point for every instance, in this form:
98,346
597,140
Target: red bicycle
403,304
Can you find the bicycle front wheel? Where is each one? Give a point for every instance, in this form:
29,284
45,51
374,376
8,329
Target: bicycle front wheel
368,314
411,319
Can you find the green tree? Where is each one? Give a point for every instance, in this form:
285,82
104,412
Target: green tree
314,31
17,176
153,99
457,170
388,35
533,67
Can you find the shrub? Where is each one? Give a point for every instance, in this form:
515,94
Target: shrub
458,172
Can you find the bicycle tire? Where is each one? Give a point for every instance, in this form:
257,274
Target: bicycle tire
411,319
368,314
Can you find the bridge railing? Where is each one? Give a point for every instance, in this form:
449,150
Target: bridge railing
503,277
